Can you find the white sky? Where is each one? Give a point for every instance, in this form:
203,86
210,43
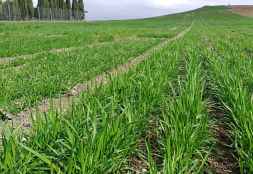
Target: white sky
125,9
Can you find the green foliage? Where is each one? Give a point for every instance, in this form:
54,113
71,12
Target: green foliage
102,130
157,115
81,9
1,10
91,45
46,9
231,85
74,8
26,8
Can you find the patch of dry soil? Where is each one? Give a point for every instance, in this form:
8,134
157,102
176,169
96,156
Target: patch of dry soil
244,10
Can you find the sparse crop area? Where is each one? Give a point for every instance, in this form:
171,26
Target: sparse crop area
172,95
244,10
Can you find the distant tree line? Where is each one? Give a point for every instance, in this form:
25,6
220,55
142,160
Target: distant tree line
45,10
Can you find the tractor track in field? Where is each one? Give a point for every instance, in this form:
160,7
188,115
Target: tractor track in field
64,102
9,60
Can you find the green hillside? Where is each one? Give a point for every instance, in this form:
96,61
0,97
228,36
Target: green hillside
172,94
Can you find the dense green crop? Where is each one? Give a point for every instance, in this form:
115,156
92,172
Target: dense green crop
158,117
17,38
52,57
49,74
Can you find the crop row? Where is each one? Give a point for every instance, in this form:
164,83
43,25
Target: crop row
27,38
111,127
49,74
156,118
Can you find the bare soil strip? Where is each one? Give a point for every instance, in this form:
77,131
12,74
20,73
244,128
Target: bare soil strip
7,60
243,10
222,159
64,103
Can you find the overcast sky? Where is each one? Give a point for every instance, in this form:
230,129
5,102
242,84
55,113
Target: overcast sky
125,9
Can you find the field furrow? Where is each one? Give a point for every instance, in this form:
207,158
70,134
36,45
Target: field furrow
165,95
64,102
230,88
115,114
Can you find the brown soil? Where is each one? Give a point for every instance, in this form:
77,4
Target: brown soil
138,163
222,159
64,103
244,10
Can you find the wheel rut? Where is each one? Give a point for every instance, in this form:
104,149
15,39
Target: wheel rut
63,103
9,60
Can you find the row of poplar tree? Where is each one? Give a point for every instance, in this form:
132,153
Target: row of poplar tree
45,10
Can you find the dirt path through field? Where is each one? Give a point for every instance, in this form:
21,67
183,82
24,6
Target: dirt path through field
8,60
64,103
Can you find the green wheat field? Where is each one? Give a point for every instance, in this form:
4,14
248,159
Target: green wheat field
172,95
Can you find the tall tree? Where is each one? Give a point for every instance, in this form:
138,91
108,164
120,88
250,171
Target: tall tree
40,8
7,9
51,4
68,4
22,7
65,10
61,7
60,4
43,9
26,8
16,13
46,9
81,9
56,7
1,10
40,3
74,8
29,9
